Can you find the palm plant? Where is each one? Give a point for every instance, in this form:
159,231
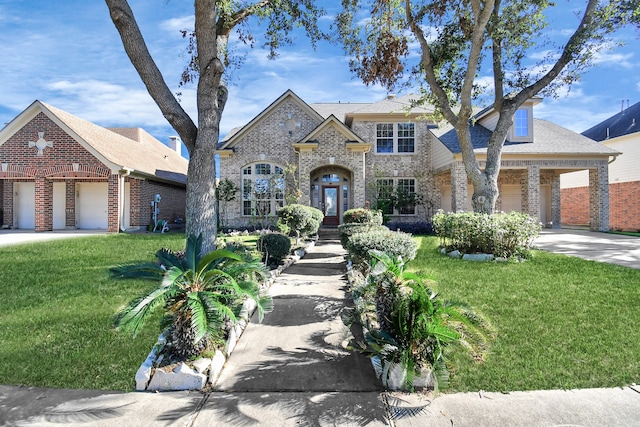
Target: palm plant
201,295
415,325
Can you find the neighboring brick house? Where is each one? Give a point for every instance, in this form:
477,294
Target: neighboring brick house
350,155
620,132
58,171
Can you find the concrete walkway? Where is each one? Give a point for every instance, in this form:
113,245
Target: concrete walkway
292,371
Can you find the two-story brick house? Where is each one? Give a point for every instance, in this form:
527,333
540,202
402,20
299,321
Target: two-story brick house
350,155
58,171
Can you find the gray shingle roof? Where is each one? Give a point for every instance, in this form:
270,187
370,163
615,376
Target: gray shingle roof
623,123
137,150
548,138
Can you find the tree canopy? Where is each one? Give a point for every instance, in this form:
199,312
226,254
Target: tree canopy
444,47
209,55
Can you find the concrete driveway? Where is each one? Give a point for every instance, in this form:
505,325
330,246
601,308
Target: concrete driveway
604,247
16,237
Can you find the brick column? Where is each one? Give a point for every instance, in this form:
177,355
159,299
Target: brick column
458,187
533,191
358,184
70,210
43,204
304,175
599,198
7,202
556,206
113,213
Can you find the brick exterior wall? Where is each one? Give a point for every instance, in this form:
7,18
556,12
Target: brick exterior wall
69,162
624,206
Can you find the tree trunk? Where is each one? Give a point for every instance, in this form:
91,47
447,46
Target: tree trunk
485,194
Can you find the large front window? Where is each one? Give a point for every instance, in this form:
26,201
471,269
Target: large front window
395,138
262,189
396,196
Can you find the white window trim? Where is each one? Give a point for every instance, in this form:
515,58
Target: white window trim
512,130
253,176
395,139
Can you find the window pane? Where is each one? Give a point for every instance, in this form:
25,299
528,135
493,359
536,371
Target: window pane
406,137
246,171
384,138
263,169
407,191
384,188
246,207
521,124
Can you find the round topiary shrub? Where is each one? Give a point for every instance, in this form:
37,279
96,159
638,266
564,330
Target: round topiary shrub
362,216
394,243
347,230
296,217
274,247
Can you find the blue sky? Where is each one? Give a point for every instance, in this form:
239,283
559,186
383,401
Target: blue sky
68,54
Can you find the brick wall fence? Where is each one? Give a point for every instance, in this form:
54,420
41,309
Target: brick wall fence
624,206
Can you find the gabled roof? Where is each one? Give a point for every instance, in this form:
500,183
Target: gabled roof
138,151
624,123
548,138
237,133
332,120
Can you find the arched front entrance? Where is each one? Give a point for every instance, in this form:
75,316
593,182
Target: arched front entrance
331,193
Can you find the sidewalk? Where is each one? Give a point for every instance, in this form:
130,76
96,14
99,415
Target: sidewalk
292,371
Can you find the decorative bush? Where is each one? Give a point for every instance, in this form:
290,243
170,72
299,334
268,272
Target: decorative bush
394,243
504,235
295,217
418,227
347,230
274,246
362,216
313,225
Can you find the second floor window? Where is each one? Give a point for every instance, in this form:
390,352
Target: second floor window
521,123
395,138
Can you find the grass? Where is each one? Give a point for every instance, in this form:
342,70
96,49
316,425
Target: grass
561,322
56,306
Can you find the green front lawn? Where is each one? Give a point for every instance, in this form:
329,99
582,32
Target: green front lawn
56,305
561,322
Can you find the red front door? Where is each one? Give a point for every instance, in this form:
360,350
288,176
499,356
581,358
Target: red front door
330,201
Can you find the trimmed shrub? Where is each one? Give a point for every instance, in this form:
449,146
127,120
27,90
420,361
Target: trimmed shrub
313,225
394,243
347,230
295,217
274,247
362,216
504,235
418,227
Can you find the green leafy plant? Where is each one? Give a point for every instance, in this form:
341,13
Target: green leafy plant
201,295
226,192
504,235
395,243
414,325
302,220
362,216
274,247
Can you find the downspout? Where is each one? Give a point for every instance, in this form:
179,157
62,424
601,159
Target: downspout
124,172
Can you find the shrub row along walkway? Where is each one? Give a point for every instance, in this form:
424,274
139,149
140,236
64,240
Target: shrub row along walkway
291,370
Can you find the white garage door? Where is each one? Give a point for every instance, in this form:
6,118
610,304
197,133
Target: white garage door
92,204
511,198
59,205
24,200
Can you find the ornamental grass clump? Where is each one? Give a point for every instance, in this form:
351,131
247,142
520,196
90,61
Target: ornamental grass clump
505,235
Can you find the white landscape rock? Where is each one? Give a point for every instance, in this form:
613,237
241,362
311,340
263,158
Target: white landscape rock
478,257
216,366
181,378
